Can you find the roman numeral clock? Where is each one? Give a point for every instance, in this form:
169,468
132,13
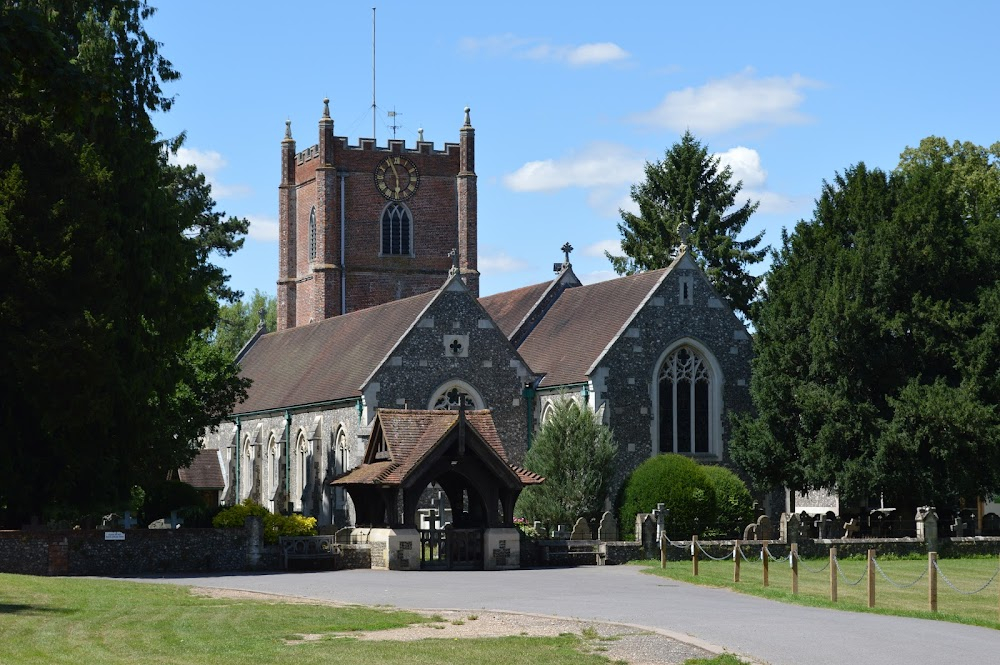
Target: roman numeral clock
397,178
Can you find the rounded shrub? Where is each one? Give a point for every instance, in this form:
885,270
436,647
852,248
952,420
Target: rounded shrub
734,504
275,526
677,482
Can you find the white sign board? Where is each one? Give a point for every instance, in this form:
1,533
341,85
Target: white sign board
114,535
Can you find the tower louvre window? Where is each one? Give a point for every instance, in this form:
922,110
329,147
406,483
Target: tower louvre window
396,228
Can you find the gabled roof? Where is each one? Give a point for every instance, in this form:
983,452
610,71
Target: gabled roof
509,308
204,472
402,438
582,323
327,360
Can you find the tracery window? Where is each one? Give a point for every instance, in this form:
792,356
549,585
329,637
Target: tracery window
301,468
685,394
312,233
343,452
271,472
247,471
396,228
449,397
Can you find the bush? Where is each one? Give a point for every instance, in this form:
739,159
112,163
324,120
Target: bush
733,503
274,525
674,480
169,496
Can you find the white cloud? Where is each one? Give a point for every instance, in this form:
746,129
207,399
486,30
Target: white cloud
579,55
598,248
597,165
745,165
263,228
727,103
209,162
500,262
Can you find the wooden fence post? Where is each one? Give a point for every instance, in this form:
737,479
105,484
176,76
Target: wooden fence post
795,568
765,556
694,555
833,574
736,561
932,581
663,550
871,578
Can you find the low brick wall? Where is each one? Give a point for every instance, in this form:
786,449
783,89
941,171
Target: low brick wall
143,551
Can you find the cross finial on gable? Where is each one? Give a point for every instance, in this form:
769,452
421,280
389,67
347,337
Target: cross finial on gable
453,254
684,231
566,249
262,313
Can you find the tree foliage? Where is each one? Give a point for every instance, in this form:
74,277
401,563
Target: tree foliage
676,481
688,186
875,367
575,453
105,278
239,320
734,505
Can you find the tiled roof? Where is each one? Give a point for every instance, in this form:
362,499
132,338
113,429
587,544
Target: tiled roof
580,325
410,435
326,360
204,472
509,308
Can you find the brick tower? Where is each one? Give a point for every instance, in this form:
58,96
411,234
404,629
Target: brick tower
362,225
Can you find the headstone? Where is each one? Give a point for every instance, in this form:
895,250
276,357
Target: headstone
764,529
540,531
991,524
175,521
561,532
661,520
432,519
160,524
581,530
851,528
958,527
646,532
750,532
822,527
608,529
789,526
927,527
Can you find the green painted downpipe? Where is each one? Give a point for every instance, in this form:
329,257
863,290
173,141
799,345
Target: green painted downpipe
288,434
529,398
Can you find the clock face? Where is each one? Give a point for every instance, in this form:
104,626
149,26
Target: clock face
397,178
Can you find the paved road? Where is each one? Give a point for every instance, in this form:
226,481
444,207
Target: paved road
764,630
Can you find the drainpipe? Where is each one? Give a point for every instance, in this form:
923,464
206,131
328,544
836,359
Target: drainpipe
529,400
288,434
343,227
237,453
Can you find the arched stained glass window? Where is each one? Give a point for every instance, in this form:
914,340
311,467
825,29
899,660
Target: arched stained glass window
685,394
449,396
396,229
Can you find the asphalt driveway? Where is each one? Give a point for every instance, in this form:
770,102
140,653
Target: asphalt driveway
764,630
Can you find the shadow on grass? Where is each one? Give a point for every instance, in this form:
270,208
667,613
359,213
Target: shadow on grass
11,608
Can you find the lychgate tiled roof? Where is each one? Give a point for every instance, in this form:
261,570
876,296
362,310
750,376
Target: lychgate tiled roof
410,435
509,308
580,325
204,472
326,360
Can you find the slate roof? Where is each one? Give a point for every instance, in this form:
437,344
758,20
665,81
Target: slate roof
580,325
204,472
410,435
508,309
326,360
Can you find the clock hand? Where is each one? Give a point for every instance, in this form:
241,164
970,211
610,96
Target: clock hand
392,164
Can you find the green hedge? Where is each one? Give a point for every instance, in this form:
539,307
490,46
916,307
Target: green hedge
274,525
733,502
674,480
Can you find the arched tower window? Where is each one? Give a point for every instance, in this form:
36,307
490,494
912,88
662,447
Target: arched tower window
396,230
312,233
686,403
449,395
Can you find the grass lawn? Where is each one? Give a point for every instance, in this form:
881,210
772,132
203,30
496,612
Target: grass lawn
80,621
981,609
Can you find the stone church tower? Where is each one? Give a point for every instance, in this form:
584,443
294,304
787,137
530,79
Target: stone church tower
360,225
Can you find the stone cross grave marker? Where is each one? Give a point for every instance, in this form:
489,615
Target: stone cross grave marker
432,518
958,528
822,525
175,522
661,520
851,528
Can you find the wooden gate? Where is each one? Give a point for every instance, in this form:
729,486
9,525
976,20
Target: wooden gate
451,549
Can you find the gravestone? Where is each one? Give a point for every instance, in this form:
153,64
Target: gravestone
561,532
640,518
764,528
789,527
581,530
175,521
991,524
750,532
822,525
540,530
646,534
128,521
660,515
958,528
927,527
851,528
608,529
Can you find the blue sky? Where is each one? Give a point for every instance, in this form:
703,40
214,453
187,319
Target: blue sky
569,100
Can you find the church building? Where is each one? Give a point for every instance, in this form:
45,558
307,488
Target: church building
379,313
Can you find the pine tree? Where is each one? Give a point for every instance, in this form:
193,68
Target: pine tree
575,453
688,186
